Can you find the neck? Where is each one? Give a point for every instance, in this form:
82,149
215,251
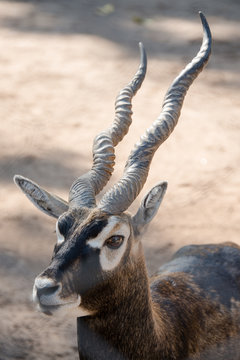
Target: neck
126,317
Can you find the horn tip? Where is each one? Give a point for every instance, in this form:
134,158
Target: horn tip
207,37
143,55
141,47
202,17
204,21
17,179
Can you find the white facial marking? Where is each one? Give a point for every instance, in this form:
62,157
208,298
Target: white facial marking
60,237
98,242
73,308
110,258
34,294
47,300
70,304
41,282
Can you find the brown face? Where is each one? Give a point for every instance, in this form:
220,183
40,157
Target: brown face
90,248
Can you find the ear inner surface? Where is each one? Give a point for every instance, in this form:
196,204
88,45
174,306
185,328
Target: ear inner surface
155,195
50,204
149,207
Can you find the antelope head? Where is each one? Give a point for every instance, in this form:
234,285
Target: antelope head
96,242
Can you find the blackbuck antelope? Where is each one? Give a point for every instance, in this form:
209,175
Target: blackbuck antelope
190,309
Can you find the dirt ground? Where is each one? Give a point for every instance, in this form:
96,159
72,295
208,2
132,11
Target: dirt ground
61,65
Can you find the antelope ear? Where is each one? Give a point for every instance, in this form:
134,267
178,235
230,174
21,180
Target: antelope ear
50,204
149,207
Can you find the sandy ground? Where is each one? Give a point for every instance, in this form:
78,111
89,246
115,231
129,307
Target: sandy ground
61,65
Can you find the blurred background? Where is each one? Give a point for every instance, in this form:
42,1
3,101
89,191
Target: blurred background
61,65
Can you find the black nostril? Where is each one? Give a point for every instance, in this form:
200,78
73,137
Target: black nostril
47,290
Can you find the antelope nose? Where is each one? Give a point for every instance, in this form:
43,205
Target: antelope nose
45,289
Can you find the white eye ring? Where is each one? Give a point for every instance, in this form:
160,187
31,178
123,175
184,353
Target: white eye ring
60,237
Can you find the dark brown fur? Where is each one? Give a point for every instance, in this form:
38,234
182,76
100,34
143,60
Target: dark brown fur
173,318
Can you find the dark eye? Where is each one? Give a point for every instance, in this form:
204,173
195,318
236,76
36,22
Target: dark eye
114,242
63,227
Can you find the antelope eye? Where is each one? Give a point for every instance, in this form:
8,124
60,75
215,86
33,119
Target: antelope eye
114,242
62,227
60,236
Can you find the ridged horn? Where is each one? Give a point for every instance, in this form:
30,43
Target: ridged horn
85,188
122,194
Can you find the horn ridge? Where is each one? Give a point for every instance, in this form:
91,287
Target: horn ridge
85,188
123,106
122,194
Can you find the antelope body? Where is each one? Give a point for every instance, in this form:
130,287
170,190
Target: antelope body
190,308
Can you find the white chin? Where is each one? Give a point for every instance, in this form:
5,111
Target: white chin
64,308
